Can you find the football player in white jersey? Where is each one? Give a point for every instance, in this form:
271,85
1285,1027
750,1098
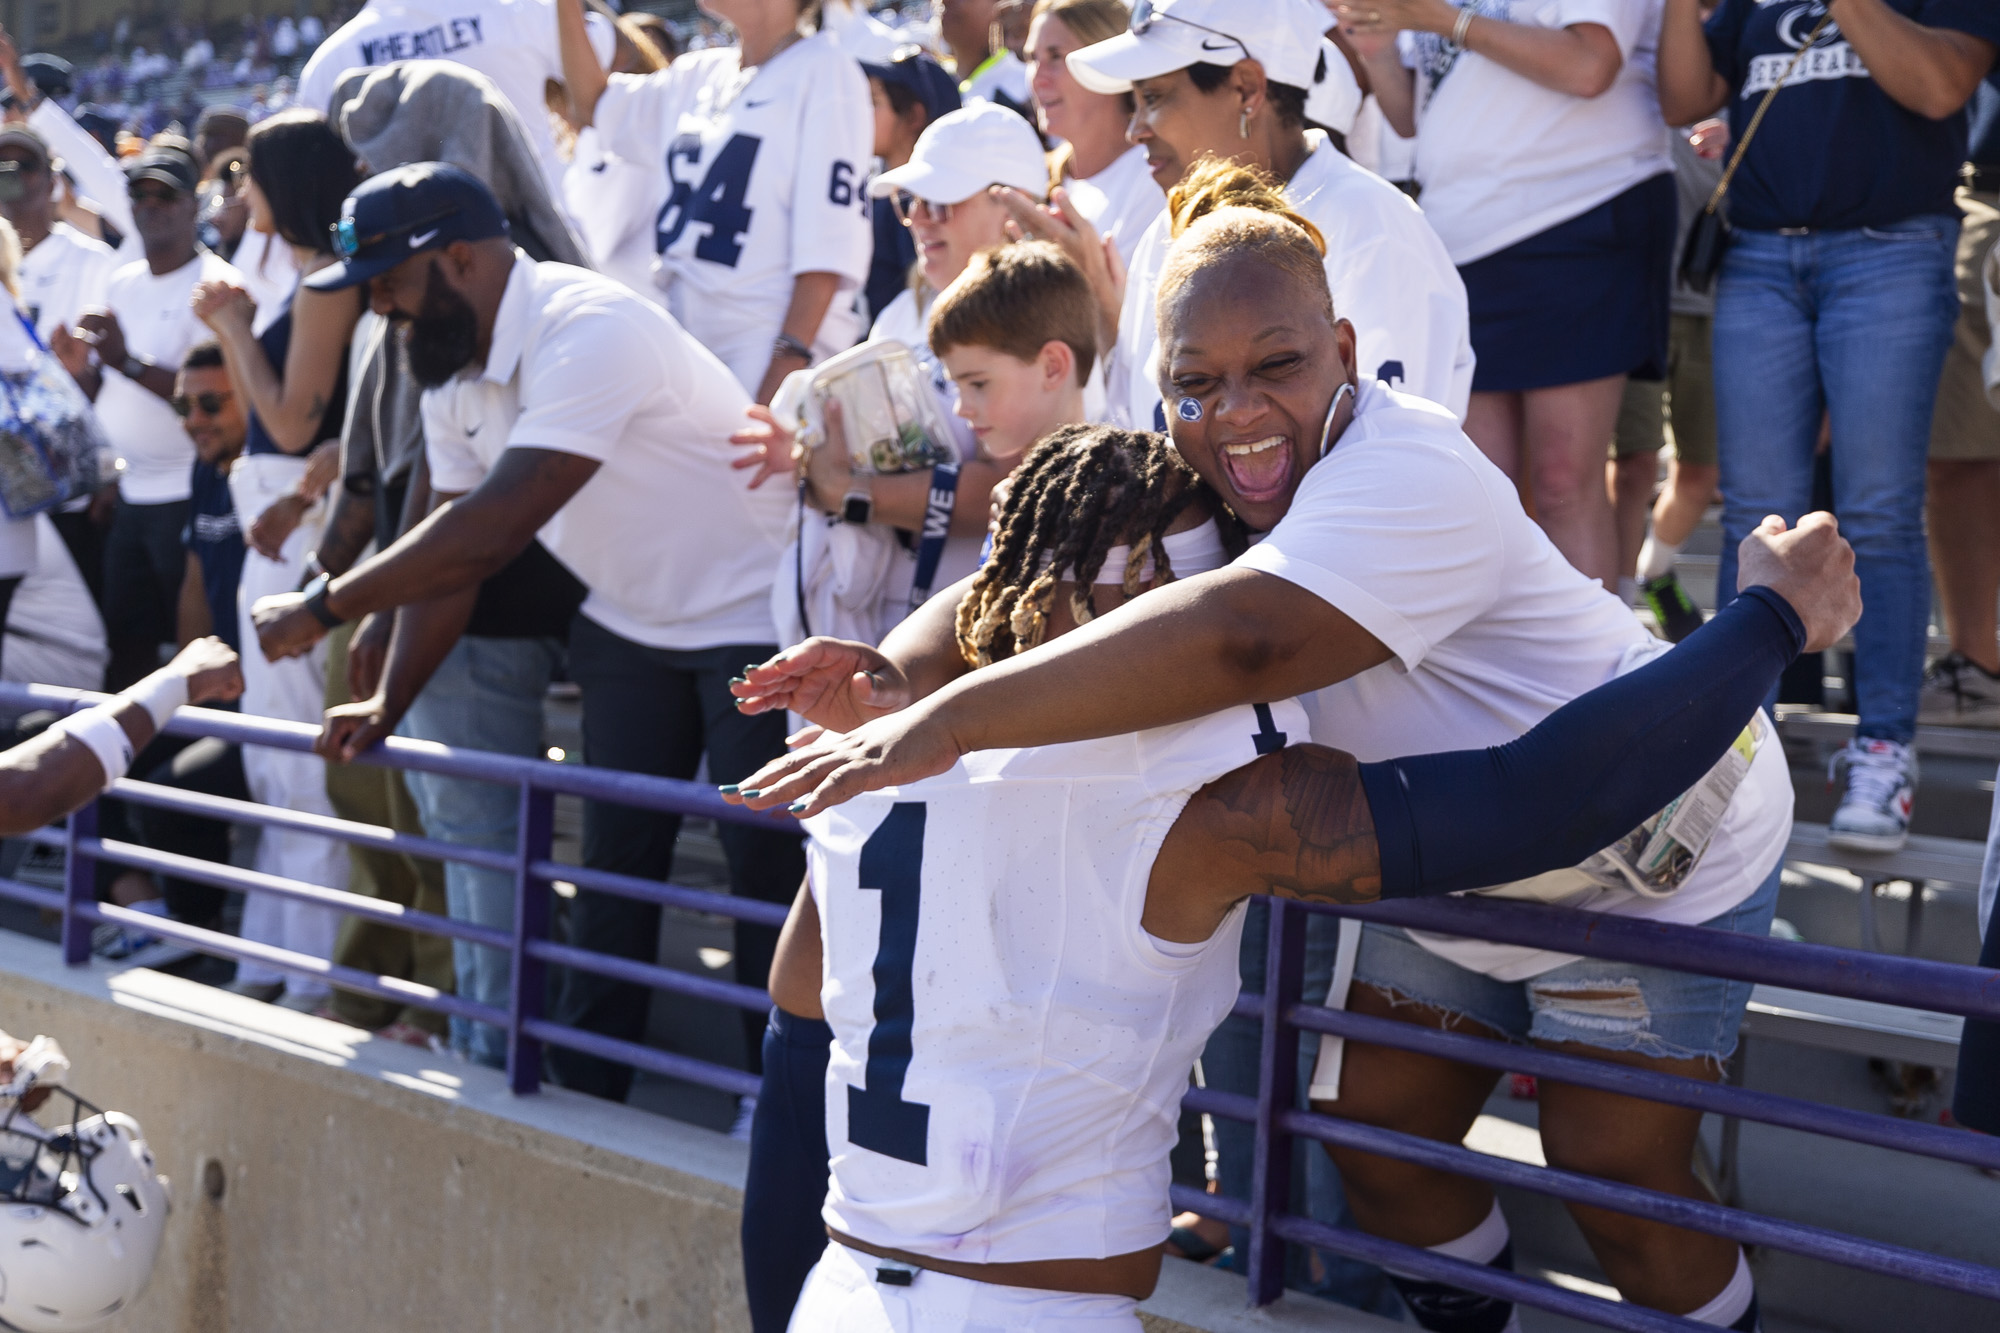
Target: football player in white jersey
763,230
1023,956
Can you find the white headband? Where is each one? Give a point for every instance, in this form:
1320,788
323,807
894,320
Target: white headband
1195,551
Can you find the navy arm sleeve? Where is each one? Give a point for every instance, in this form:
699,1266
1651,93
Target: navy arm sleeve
1594,770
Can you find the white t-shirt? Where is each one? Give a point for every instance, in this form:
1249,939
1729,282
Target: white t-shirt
1412,533
1010,1045
512,42
159,327
760,176
1121,201
64,276
676,549
612,201
1502,158
54,634
1390,278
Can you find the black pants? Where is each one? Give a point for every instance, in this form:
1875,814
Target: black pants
84,536
144,564
650,710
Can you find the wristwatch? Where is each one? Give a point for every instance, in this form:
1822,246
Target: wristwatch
132,367
316,602
857,506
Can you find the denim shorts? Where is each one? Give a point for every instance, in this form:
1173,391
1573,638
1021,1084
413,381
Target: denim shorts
1654,1011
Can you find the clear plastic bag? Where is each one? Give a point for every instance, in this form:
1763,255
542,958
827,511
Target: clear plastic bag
890,413
49,436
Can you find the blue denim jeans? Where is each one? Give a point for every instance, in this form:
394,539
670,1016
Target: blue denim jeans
1230,1063
486,695
1856,323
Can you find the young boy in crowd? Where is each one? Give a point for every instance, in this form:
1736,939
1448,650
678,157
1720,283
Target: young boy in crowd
1016,336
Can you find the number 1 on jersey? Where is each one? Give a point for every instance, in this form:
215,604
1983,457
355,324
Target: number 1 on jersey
878,1119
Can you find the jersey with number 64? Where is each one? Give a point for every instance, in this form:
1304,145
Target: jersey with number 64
1010,1046
762,176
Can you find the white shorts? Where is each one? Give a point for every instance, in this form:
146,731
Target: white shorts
842,1296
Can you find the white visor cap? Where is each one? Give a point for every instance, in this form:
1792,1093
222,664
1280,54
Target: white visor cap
1286,37
961,153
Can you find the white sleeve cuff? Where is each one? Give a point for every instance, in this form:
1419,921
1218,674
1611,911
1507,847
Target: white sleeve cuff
105,737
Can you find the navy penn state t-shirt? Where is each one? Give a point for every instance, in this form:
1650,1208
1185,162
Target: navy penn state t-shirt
215,537
1834,150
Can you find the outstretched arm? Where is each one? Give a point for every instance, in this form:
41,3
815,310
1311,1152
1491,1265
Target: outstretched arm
1308,822
47,777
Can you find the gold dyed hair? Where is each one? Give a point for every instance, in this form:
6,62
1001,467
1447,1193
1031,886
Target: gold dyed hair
1224,210
1080,492
1017,298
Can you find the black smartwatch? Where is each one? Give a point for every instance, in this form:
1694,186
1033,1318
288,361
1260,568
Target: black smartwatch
316,602
857,507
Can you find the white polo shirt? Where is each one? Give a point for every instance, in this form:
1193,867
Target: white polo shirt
159,324
676,549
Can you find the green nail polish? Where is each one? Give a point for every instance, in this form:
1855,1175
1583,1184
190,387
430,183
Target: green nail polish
739,680
748,792
727,789
797,807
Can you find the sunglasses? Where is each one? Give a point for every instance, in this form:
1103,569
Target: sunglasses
349,242
1145,15
909,208
209,403
156,194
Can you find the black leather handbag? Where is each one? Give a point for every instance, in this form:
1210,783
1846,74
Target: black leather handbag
1708,239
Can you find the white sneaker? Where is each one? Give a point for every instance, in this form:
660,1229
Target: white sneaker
746,1111
1874,813
1958,692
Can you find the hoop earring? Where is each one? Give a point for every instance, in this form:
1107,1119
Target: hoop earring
1243,124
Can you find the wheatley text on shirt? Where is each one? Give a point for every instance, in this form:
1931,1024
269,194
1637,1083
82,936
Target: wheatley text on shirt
432,43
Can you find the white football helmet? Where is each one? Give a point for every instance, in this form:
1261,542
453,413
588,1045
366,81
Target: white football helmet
82,1213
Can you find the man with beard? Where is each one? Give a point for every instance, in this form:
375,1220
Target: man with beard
558,402
125,358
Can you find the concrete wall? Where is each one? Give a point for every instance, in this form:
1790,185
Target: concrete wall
326,1181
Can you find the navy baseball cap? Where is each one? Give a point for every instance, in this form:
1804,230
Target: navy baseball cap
910,68
407,211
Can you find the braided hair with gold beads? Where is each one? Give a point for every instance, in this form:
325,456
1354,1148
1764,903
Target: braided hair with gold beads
1080,492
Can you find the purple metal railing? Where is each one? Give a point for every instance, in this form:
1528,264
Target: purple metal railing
1919,983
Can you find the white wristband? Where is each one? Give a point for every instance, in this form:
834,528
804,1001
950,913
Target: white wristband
160,694
105,737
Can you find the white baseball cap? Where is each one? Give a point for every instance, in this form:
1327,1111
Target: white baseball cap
964,151
1286,37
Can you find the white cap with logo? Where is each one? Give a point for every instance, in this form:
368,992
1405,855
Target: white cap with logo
1286,37
964,151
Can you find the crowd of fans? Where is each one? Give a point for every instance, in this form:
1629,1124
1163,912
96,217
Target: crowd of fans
792,196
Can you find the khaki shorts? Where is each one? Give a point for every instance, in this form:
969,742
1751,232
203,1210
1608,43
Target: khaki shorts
1966,428
1684,401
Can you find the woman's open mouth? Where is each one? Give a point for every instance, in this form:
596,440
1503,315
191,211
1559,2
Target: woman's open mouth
1259,470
